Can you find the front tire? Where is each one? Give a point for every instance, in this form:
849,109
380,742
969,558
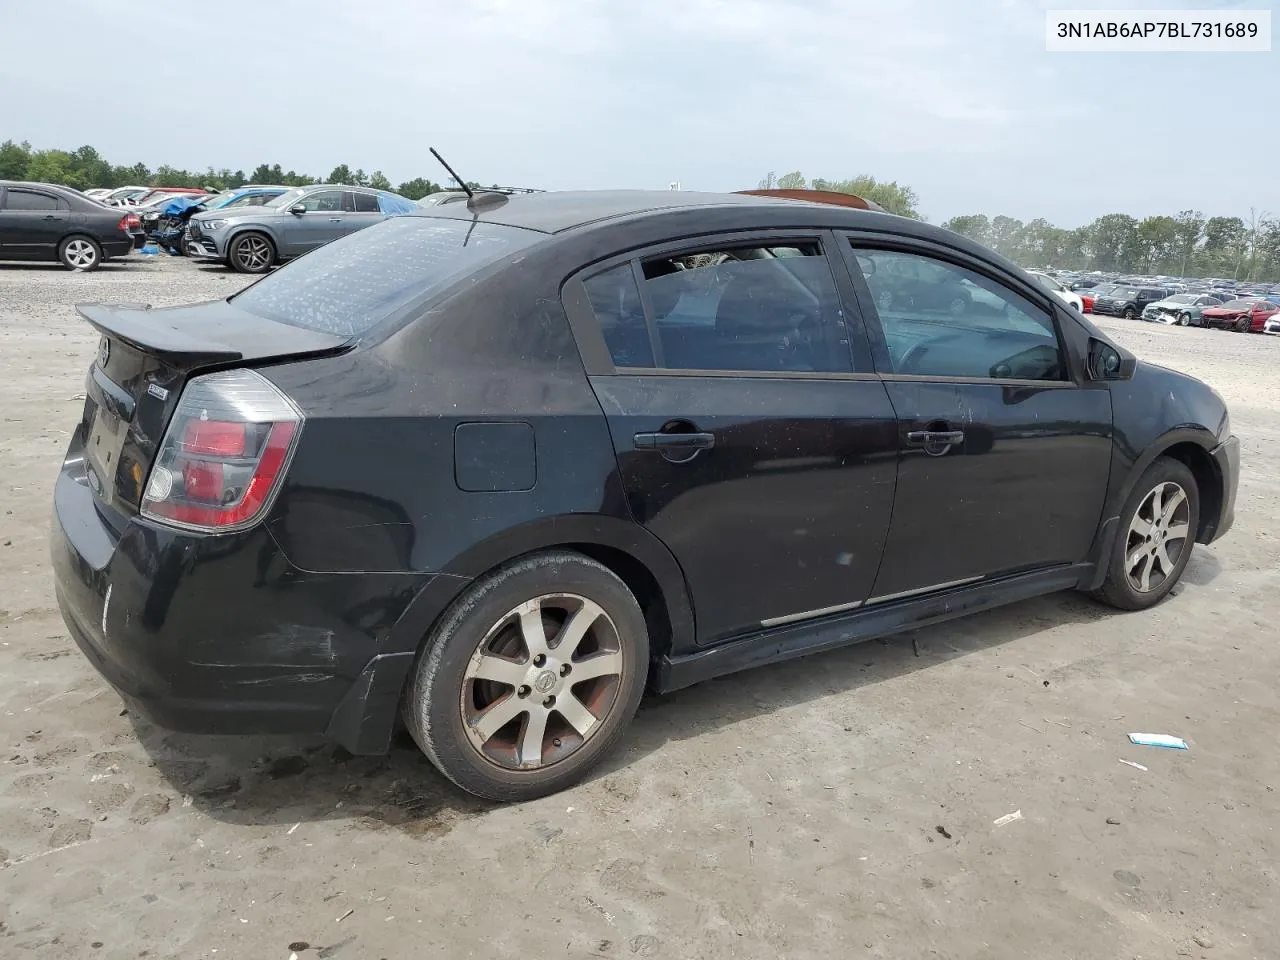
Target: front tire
1184,320
1242,325
251,252
1157,532
80,253
1129,313
530,677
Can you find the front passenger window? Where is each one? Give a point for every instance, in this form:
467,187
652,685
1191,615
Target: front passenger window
942,320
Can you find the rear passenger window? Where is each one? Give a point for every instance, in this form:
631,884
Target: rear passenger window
771,309
615,299
30,200
366,203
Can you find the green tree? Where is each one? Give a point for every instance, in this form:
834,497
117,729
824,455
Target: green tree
417,188
378,180
14,160
974,226
1111,239
53,166
340,174
792,181
1188,228
889,194
1158,238
1007,237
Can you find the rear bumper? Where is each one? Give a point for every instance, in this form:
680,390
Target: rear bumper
1227,456
121,246
221,634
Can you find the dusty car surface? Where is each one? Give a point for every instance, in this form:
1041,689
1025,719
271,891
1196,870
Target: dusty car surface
496,467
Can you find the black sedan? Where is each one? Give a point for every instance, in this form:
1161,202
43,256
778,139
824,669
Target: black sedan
495,467
40,221
1128,302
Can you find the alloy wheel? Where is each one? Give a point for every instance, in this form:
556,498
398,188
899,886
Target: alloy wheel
542,682
81,254
958,306
1157,537
254,253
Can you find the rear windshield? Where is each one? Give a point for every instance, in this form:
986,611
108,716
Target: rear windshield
349,286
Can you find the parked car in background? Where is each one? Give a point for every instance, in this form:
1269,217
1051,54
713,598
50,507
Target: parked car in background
255,196
40,221
1069,297
479,466
155,192
1127,302
253,239
1182,309
1247,315
125,195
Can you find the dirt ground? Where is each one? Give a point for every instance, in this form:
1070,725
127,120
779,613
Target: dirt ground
839,806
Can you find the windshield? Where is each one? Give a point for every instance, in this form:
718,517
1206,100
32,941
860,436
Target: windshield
1239,304
1123,293
348,286
1181,298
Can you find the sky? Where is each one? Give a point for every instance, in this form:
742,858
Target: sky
956,98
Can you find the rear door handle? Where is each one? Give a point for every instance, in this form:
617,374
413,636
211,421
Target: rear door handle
689,442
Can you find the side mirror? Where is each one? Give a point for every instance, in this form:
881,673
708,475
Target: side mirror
298,209
1108,363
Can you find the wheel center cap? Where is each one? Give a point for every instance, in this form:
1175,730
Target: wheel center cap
545,681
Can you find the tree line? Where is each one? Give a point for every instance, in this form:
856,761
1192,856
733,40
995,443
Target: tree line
85,168
1188,244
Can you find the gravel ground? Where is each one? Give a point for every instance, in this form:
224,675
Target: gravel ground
842,805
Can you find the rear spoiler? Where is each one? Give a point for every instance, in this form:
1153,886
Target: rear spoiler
137,326
206,334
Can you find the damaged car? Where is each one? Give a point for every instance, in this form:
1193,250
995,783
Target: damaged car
494,468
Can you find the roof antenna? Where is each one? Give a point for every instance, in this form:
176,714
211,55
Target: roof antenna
462,183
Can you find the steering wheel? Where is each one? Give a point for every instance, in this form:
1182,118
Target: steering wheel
911,359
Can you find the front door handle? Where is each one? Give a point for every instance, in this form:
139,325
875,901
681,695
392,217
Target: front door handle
678,442
335,219
935,442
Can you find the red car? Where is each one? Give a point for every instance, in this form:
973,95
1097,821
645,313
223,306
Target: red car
1247,316
1086,301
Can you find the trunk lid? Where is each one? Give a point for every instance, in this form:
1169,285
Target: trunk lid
145,358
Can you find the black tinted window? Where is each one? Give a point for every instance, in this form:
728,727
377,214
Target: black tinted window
940,319
30,200
615,300
748,308
351,284
366,203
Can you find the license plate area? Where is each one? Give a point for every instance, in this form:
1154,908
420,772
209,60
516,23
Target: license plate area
102,451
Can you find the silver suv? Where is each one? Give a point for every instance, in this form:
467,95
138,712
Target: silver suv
253,239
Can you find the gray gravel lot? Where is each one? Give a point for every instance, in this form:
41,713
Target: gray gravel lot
838,806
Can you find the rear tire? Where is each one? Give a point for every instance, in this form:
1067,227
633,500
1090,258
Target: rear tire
1157,532
499,703
251,252
80,253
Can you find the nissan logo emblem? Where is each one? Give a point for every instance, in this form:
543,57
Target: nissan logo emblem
104,352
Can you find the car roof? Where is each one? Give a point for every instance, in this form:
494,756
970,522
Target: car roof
558,211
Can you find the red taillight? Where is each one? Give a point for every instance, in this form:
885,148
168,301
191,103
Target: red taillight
130,221
218,438
224,453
